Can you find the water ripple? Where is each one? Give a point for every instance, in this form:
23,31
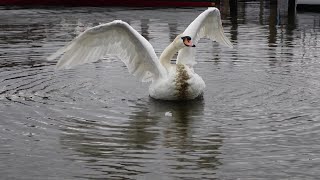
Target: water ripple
258,118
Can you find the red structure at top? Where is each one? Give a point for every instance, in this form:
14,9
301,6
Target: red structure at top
98,3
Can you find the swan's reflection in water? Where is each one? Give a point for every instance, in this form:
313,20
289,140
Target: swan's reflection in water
148,143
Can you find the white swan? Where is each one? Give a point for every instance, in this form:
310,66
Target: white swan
169,81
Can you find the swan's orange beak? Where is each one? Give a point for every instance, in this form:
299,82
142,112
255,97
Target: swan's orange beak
187,41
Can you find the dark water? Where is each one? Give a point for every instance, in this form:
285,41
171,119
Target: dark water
259,117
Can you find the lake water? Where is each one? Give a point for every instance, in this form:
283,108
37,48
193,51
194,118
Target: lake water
259,117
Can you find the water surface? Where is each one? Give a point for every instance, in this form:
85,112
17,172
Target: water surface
258,119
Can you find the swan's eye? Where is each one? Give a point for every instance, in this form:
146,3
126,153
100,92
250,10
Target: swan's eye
186,37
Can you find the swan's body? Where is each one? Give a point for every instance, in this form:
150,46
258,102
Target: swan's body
181,83
169,81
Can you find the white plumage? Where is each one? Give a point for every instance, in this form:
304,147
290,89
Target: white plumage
207,25
169,81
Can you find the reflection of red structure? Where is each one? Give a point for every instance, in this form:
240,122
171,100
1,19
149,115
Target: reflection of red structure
132,3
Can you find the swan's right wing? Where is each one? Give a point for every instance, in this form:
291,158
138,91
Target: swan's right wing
207,25
115,38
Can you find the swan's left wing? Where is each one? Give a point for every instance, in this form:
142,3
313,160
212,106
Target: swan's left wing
115,38
207,25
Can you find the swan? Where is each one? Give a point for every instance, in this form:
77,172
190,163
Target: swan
168,81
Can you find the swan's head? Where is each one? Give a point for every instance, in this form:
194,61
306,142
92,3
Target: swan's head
182,41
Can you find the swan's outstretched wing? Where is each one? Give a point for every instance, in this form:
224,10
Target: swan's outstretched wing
115,38
207,25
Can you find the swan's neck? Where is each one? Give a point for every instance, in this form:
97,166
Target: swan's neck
167,54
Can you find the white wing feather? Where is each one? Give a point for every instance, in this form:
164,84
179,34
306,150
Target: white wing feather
207,25
115,38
